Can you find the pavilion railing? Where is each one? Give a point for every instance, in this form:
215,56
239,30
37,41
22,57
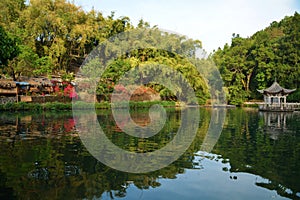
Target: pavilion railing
280,107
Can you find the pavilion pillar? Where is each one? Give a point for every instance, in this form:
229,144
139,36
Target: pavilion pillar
265,102
280,103
284,121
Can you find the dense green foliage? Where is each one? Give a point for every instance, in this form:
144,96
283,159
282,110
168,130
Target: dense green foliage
9,48
45,37
147,59
55,37
254,63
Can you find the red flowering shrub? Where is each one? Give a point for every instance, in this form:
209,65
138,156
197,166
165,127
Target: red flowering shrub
57,90
120,88
69,91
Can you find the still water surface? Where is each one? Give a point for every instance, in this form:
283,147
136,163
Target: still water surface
257,156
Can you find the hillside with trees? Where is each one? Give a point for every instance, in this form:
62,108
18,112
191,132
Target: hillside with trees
256,62
55,37
46,37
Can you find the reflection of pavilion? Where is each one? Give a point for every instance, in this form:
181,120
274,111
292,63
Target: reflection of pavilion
275,98
275,122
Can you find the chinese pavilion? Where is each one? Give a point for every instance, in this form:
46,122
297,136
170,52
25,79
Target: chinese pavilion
275,98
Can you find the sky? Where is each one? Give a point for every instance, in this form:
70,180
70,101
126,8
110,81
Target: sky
211,21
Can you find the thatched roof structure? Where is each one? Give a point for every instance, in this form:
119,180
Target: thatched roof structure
37,81
7,84
45,82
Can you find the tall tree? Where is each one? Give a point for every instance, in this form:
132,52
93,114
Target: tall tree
8,47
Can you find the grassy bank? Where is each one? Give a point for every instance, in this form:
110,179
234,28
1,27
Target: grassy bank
22,106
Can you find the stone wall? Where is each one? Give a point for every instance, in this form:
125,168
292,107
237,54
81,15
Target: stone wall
4,100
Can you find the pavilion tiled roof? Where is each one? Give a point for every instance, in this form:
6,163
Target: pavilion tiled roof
275,88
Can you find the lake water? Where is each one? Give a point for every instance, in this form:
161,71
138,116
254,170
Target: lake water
255,156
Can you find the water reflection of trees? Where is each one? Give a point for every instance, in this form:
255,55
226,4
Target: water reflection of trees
49,163
57,165
248,142
30,125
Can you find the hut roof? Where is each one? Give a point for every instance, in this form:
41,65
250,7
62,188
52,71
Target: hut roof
7,84
275,88
44,81
57,80
22,83
37,81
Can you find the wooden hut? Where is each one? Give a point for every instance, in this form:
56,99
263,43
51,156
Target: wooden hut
45,83
38,85
275,98
8,88
23,87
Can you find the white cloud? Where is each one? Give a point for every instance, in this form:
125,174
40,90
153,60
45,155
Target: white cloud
213,22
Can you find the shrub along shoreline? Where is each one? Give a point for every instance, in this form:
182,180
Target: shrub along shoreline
56,106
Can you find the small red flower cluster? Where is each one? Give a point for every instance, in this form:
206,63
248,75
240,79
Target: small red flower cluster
69,91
